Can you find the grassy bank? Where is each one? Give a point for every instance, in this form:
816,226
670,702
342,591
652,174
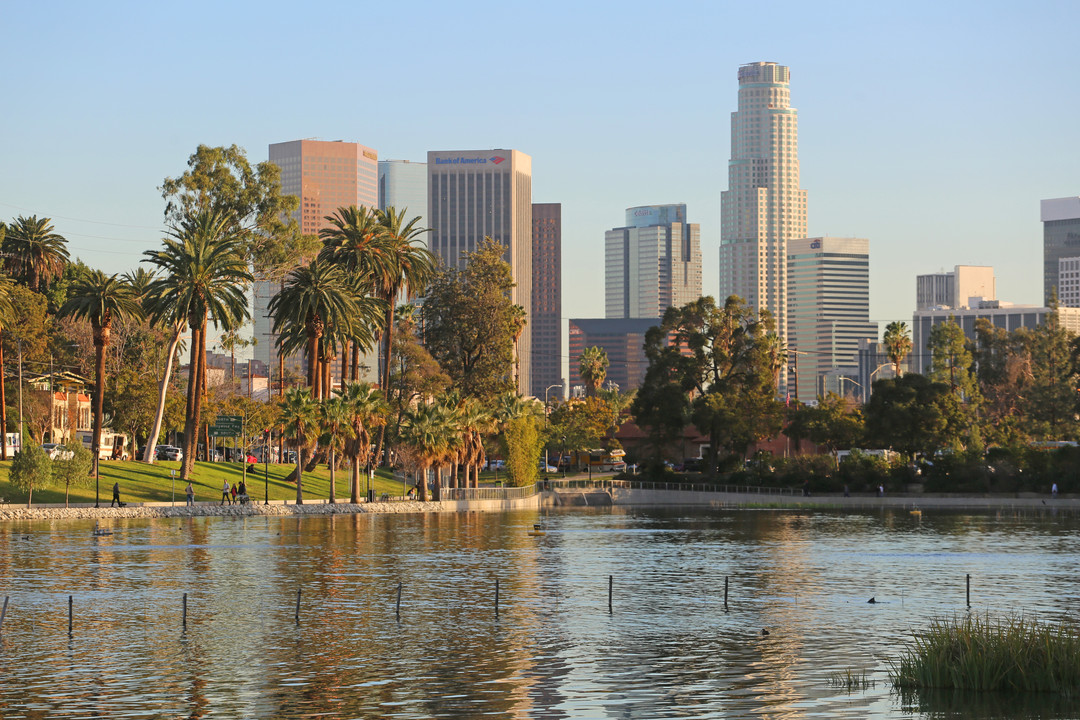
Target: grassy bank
140,482
977,653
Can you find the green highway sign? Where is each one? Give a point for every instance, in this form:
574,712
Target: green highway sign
227,426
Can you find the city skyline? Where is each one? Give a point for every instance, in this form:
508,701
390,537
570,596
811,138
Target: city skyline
893,147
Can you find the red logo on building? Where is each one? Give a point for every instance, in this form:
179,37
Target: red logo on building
496,159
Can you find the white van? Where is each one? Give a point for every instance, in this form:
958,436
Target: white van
114,446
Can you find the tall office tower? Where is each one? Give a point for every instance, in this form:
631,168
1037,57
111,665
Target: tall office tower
475,194
403,185
763,207
324,176
546,325
828,306
652,263
955,289
1061,237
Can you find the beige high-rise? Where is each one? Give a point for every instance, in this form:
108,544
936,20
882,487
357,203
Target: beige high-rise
763,207
475,194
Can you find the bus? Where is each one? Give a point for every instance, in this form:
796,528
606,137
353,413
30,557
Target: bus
601,460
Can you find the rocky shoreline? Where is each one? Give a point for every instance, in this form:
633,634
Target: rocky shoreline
12,512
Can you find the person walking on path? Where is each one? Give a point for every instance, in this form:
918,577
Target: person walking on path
116,495
1053,491
225,492
190,492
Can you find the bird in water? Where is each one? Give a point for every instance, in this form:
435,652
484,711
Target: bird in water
764,632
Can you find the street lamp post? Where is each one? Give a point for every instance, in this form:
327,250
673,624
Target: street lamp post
547,413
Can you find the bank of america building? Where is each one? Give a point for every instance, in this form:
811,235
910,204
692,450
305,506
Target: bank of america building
475,194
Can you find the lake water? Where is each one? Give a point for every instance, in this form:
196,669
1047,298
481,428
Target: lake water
666,649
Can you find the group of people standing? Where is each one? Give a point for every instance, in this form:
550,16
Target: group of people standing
234,493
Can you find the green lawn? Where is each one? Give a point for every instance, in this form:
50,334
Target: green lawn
140,482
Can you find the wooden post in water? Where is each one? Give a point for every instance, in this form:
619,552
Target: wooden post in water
298,590
725,591
969,590
3,613
496,597
70,611
185,610
398,611
610,586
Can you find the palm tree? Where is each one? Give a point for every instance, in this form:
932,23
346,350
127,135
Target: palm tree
204,278
101,299
592,367
409,269
334,418
7,318
426,435
314,297
897,342
475,423
300,416
367,411
34,252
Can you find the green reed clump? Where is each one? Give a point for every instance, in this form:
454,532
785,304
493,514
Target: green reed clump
851,679
977,653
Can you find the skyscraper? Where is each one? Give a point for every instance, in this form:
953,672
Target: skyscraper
955,289
828,306
652,263
324,176
403,185
475,194
546,324
763,207
1061,238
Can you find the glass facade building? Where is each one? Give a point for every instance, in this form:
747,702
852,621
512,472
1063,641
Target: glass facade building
403,185
1061,238
652,263
546,321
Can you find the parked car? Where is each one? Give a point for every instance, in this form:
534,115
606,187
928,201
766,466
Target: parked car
169,452
496,464
57,452
548,468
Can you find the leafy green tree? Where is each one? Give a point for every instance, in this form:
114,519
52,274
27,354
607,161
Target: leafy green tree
101,299
524,440
582,424
75,471
470,323
220,181
30,328
1053,391
30,468
913,414
897,341
203,278
34,253
300,416
7,318
592,367
835,423
725,361
1003,370
951,361
660,408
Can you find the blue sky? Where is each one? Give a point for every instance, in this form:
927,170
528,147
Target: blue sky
933,129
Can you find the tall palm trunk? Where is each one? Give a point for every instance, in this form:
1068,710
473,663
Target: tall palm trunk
3,403
355,371
195,386
300,475
159,415
423,484
354,479
333,462
101,339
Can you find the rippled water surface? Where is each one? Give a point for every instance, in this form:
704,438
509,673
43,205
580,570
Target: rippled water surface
666,648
